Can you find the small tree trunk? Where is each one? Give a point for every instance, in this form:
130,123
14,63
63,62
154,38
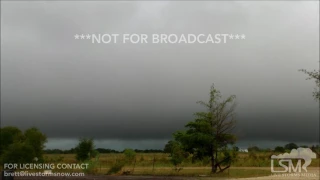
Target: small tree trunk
154,159
213,164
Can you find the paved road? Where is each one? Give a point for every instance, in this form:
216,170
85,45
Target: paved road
114,178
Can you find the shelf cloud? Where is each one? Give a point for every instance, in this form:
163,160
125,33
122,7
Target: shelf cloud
144,92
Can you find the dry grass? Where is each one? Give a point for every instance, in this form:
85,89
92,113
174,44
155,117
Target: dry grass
159,164
163,160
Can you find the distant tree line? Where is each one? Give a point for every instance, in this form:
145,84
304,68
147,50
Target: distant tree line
286,148
100,150
168,146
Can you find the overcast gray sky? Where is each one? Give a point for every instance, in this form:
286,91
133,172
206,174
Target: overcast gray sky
137,95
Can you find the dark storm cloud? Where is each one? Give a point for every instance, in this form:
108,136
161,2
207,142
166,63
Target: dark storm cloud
117,92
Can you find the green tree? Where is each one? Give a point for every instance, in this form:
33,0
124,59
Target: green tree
85,149
279,149
178,155
253,149
291,146
18,147
9,135
235,148
316,149
19,152
234,153
36,140
314,75
168,147
210,133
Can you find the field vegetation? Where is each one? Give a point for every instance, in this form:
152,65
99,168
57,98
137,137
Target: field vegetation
250,164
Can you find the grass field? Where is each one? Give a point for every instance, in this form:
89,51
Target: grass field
163,160
246,165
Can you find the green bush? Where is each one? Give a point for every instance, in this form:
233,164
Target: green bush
18,147
92,167
279,149
19,152
85,149
129,154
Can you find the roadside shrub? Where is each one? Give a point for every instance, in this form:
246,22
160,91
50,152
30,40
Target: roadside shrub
116,168
129,154
92,167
